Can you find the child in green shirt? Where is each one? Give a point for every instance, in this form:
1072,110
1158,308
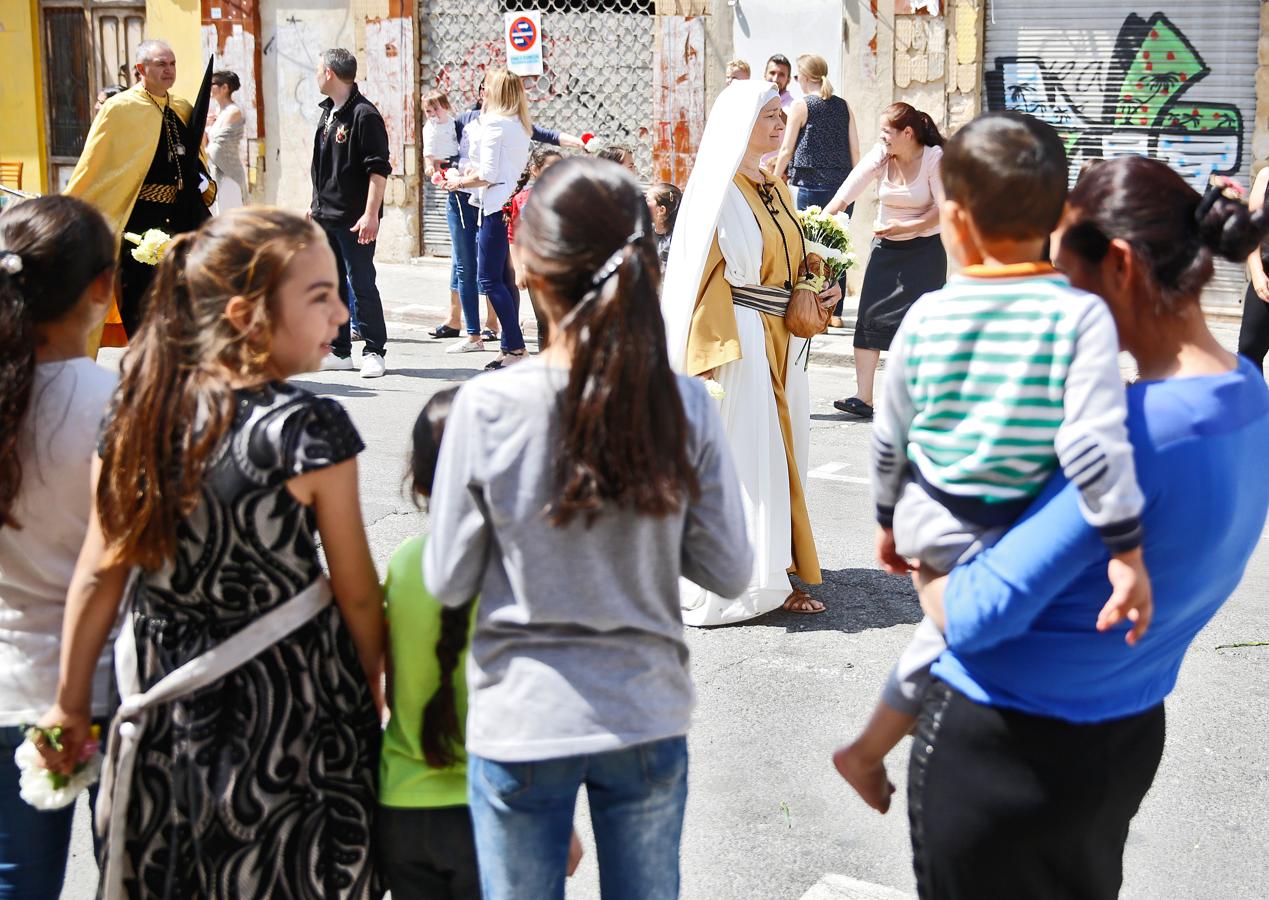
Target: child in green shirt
424,840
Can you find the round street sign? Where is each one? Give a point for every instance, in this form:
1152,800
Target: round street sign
523,34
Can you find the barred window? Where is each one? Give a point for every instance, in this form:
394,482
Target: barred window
635,7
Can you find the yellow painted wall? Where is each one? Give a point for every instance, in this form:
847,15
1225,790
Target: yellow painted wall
21,92
179,22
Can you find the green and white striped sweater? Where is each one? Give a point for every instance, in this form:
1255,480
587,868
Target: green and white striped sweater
991,384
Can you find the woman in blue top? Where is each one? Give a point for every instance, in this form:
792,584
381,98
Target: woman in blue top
1041,736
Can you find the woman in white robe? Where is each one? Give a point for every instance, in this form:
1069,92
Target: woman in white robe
738,228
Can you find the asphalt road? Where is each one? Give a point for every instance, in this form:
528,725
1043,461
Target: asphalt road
767,816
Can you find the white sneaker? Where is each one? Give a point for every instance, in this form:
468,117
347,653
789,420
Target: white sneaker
333,363
466,346
372,365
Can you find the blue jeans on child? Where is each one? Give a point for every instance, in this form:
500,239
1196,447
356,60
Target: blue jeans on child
461,218
496,280
34,845
523,815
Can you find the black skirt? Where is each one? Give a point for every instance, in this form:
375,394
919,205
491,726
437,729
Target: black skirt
898,273
1006,804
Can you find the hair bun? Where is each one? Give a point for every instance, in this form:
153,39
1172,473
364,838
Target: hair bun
1227,226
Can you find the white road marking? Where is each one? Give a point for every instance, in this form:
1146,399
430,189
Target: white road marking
830,472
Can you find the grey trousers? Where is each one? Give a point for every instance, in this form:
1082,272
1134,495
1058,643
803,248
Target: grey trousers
924,529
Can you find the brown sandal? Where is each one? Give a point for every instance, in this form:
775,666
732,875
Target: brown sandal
801,597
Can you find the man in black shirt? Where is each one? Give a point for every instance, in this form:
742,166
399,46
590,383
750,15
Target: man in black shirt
350,172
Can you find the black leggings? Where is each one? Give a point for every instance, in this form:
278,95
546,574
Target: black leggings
1006,804
1253,336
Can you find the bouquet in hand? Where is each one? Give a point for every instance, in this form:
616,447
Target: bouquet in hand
828,239
45,789
150,246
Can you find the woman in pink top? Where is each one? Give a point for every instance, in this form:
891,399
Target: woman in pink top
907,258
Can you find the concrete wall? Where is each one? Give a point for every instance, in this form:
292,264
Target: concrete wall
22,91
1260,140
381,34
179,23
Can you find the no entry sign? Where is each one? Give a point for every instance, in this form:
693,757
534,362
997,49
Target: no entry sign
522,33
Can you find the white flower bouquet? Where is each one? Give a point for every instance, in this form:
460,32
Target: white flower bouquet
714,389
828,238
45,789
150,246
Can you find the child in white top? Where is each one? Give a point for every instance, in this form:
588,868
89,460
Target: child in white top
440,134
57,272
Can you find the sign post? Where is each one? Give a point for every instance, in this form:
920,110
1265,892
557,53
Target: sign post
522,32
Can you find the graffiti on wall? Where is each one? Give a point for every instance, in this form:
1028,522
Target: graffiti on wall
678,97
1138,104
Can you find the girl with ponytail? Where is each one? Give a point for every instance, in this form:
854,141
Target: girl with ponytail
426,849
572,493
540,160
907,258
57,274
215,479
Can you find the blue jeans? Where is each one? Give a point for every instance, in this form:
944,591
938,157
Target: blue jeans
496,280
34,845
523,815
461,217
356,268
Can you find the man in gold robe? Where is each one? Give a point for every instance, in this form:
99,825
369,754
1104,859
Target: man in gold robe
141,168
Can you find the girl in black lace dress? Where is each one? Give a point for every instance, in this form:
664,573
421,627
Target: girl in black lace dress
214,477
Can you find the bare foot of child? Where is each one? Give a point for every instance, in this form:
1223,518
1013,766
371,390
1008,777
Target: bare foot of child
866,775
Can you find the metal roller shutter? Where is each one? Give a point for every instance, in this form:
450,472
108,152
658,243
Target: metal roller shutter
1171,80
597,78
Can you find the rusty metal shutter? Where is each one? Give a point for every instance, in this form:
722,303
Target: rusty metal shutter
597,78
1171,80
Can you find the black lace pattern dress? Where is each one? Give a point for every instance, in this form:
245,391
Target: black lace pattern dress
262,785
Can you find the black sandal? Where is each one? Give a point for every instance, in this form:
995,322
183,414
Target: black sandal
501,363
444,331
854,407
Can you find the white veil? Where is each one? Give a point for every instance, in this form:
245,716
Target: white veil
723,145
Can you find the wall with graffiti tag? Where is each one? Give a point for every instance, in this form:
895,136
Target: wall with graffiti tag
1173,81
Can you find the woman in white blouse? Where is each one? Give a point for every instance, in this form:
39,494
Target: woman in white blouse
907,257
498,155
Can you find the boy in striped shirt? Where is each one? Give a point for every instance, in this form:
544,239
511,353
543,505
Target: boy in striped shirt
992,384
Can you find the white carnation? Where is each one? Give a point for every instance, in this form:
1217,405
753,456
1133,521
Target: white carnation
35,782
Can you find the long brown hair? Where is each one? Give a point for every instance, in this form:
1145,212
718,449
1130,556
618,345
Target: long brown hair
174,402
51,249
1173,229
442,732
623,438
904,115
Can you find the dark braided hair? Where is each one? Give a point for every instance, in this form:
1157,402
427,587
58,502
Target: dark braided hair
51,250
537,159
442,734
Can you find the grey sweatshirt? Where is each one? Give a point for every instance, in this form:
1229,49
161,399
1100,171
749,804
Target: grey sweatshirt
578,646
